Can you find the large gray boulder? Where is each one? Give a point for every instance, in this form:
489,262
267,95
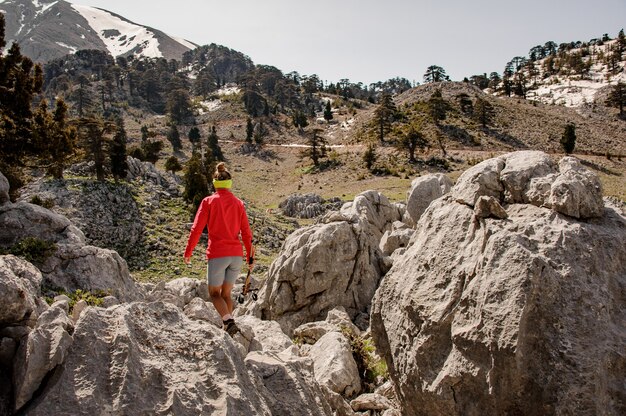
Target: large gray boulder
287,384
522,315
334,263
424,190
41,352
4,189
20,291
149,358
531,177
73,265
334,364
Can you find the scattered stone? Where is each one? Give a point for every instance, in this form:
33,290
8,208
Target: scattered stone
370,401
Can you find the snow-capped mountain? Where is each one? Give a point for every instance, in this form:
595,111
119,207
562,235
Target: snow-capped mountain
48,29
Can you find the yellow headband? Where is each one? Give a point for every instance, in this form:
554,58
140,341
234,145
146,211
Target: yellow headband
227,184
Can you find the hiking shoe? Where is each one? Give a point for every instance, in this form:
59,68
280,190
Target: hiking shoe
230,327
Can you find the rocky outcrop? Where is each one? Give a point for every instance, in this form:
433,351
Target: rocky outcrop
334,365
521,315
107,213
334,263
71,264
424,190
531,177
148,173
308,205
20,292
40,352
4,189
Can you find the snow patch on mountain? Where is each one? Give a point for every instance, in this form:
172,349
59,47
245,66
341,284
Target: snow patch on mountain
120,36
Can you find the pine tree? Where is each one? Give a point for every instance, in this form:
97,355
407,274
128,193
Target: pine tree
117,151
194,137
20,81
411,140
617,97
568,140
435,73
384,115
437,107
62,141
249,130
173,136
172,164
328,112
317,147
465,103
260,132
93,132
299,120
195,181
369,156
483,112
213,145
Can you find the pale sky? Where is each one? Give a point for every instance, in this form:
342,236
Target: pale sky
368,40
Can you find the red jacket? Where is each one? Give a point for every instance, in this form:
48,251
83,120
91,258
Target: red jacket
226,217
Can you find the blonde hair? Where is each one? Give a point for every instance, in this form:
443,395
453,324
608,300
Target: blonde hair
221,173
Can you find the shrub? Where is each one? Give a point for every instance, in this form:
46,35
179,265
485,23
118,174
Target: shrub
46,203
95,298
370,365
32,249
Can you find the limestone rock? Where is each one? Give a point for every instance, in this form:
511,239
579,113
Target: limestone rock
334,365
199,309
424,190
109,301
521,316
149,358
20,292
8,347
520,169
337,320
90,268
266,335
481,179
339,405
4,189
308,205
489,207
44,349
334,263
576,192
370,401
288,384
393,240
79,307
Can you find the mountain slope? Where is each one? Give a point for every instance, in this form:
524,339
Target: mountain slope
48,29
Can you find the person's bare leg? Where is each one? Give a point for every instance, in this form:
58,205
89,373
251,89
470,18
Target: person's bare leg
226,297
217,299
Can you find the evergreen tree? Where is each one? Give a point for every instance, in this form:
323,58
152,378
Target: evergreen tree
568,139
411,140
195,182
213,145
194,137
299,120
249,130
317,147
483,112
62,141
328,112
617,97
151,150
384,115
435,73
117,151
369,156
20,81
437,107
93,132
179,105
172,164
173,136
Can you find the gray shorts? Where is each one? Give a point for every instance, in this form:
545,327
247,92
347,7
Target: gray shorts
223,270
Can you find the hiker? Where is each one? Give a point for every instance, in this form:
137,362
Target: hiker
225,216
